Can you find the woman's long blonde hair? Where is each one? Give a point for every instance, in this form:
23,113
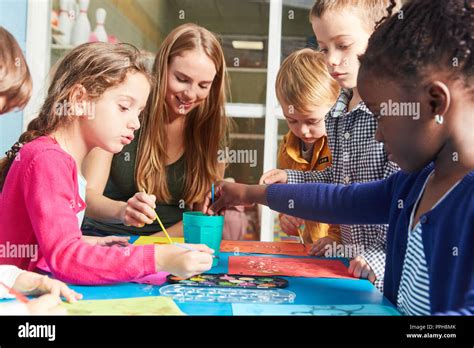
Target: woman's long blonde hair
206,126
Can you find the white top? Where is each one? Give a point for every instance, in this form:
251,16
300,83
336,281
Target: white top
82,192
8,275
414,291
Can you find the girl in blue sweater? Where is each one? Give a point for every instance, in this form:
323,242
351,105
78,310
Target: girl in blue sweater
417,77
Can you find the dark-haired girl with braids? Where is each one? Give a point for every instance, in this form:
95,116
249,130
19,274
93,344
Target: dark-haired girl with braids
421,58
96,96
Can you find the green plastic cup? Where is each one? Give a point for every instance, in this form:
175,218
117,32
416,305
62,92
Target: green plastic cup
204,229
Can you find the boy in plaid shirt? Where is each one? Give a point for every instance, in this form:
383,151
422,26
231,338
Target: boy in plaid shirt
343,29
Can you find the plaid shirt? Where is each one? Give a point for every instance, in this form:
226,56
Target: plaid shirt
357,157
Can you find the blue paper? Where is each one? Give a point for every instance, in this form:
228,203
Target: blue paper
331,310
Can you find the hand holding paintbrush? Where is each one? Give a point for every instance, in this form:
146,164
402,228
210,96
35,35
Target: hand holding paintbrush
170,241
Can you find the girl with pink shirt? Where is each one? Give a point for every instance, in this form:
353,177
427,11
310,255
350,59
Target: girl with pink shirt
96,96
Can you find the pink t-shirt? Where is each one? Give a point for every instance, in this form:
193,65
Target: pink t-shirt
38,211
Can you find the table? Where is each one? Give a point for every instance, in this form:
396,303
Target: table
322,295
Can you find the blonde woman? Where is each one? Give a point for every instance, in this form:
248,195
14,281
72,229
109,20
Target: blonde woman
173,157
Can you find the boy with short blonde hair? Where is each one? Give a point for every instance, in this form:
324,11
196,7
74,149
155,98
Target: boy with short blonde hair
306,93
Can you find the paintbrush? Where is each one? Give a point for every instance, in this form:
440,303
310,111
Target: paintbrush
20,297
161,224
300,235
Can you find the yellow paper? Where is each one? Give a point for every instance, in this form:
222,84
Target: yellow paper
150,305
144,240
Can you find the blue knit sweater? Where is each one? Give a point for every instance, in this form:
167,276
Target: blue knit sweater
448,230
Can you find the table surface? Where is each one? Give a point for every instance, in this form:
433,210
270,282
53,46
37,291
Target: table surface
333,294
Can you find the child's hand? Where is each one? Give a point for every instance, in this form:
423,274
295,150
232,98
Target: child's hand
319,248
290,224
229,195
181,262
30,283
359,268
106,241
274,176
140,210
46,305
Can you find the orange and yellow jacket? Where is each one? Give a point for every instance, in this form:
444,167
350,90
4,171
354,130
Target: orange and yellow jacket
290,157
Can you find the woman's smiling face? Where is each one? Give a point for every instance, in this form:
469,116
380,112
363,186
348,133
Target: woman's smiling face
190,77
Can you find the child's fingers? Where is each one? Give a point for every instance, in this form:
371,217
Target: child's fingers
265,176
289,229
48,285
294,220
359,267
317,247
288,226
43,304
203,259
372,277
364,272
271,179
357,270
70,295
119,240
218,205
352,265
320,249
202,247
275,176
207,203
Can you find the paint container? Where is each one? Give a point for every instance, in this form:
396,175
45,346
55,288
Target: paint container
204,229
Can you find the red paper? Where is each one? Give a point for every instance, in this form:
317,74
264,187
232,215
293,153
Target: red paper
275,248
291,267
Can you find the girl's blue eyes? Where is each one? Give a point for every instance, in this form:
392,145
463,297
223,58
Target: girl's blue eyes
123,108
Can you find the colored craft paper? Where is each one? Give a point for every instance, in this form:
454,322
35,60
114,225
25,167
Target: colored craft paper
275,248
288,309
145,240
151,305
153,279
291,267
